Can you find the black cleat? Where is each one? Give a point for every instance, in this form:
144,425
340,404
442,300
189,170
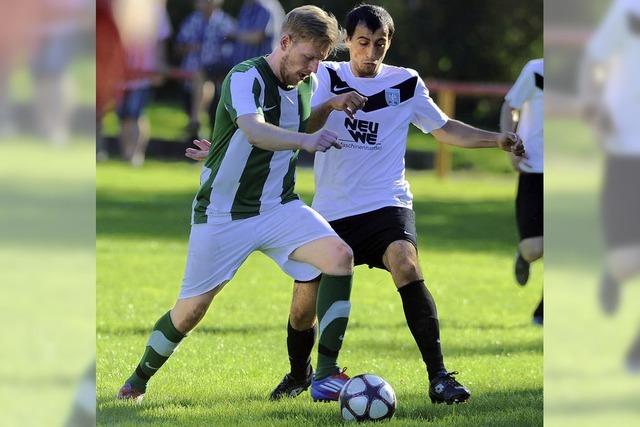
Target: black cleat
291,387
521,270
445,389
633,357
538,314
609,294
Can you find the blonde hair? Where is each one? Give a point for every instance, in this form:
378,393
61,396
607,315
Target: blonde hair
314,24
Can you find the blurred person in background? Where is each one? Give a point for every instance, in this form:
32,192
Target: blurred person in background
525,100
256,31
610,91
189,47
110,69
144,27
207,55
6,114
16,37
277,18
58,33
216,56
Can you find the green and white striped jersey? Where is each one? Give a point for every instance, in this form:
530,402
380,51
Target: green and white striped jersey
239,180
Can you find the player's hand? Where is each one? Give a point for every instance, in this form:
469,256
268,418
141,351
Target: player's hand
511,142
349,102
199,153
321,140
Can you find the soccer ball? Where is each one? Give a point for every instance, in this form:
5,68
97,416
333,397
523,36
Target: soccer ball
367,397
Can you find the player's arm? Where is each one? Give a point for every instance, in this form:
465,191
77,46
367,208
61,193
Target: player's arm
508,122
508,117
348,102
269,137
272,138
463,135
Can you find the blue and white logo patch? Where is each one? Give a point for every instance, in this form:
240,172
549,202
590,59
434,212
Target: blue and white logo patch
392,96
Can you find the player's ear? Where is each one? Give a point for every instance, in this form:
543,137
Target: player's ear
285,41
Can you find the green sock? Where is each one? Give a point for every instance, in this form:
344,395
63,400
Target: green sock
163,341
333,309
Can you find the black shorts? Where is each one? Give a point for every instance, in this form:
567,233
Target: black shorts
529,205
621,202
370,234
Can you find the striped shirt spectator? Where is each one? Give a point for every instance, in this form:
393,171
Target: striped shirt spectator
216,49
254,17
191,37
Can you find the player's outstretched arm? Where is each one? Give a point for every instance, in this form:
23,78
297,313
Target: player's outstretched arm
269,137
266,137
348,102
508,122
463,135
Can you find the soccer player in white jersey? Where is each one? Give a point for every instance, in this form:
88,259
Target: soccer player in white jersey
363,193
525,101
611,92
246,201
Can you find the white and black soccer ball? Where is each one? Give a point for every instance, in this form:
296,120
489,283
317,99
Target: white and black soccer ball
367,397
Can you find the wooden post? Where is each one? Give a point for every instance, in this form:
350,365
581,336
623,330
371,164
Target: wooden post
447,102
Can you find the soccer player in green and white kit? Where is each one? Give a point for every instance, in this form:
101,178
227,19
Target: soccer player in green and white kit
362,191
246,201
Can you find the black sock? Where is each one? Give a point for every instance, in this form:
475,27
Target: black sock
299,346
422,318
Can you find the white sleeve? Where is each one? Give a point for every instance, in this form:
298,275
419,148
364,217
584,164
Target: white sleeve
241,94
427,116
322,92
610,35
522,89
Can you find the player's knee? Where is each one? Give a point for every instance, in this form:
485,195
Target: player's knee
341,259
406,268
532,249
402,260
344,257
622,265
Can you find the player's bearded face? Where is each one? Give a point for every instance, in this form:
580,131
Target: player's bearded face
367,50
301,58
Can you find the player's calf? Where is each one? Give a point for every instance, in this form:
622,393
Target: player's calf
167,333
161,344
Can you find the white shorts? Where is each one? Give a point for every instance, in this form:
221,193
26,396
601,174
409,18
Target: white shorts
216,251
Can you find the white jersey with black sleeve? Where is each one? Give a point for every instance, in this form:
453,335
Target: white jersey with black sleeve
616,44
526,95
368,172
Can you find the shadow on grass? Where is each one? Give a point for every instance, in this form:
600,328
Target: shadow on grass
500,408
263,328
450,349
483,226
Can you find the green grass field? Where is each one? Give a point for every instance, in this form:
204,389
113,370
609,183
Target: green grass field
224,371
